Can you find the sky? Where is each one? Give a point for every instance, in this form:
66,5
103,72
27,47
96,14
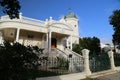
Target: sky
93,14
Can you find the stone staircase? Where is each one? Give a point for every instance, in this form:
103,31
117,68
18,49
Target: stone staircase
62,53
74,54
75,60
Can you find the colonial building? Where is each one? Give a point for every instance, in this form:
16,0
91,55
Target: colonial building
47,34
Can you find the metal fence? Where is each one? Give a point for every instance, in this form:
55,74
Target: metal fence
61,66
117,59
99,62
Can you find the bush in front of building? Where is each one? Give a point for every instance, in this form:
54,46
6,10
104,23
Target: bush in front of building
17,61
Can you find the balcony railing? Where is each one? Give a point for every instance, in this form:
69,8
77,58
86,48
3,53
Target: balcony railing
23,19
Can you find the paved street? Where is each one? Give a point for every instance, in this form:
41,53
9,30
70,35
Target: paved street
115,76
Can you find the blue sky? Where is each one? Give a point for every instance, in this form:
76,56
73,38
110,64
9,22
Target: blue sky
93,14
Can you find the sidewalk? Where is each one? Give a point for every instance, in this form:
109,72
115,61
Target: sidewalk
114,76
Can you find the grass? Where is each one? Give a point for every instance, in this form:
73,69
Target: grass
89,79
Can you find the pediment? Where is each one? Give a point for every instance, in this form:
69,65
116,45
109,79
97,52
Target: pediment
61,25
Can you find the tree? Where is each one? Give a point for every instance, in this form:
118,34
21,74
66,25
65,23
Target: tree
76,48
11,7
93,44
17,61
115,22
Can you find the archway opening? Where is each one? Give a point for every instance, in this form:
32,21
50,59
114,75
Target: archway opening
53,43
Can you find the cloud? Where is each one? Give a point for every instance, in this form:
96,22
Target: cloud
106,41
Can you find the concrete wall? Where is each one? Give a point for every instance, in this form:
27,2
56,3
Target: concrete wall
75,76
31,38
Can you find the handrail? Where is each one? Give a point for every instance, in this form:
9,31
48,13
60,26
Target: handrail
74,53
45,51
32,20
62,51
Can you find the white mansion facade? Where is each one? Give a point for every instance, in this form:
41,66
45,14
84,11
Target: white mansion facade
47,34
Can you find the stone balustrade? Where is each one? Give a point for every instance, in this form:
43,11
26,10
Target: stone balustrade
23,19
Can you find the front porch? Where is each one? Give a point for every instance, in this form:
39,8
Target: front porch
43,40
48,40
32,38
58,40
25,37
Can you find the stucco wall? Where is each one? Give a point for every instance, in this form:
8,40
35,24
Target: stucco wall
32,38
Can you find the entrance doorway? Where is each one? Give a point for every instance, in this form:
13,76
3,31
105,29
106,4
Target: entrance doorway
53,43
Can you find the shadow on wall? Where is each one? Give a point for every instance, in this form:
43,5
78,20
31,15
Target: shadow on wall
75,76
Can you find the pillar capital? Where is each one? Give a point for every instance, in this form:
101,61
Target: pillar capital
85,53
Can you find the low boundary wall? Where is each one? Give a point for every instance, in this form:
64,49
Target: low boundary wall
75,76
87,72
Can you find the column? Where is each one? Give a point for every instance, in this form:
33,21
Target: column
17,34
110,53
47,40
49,48
85,53
71,42
1,40
43,41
